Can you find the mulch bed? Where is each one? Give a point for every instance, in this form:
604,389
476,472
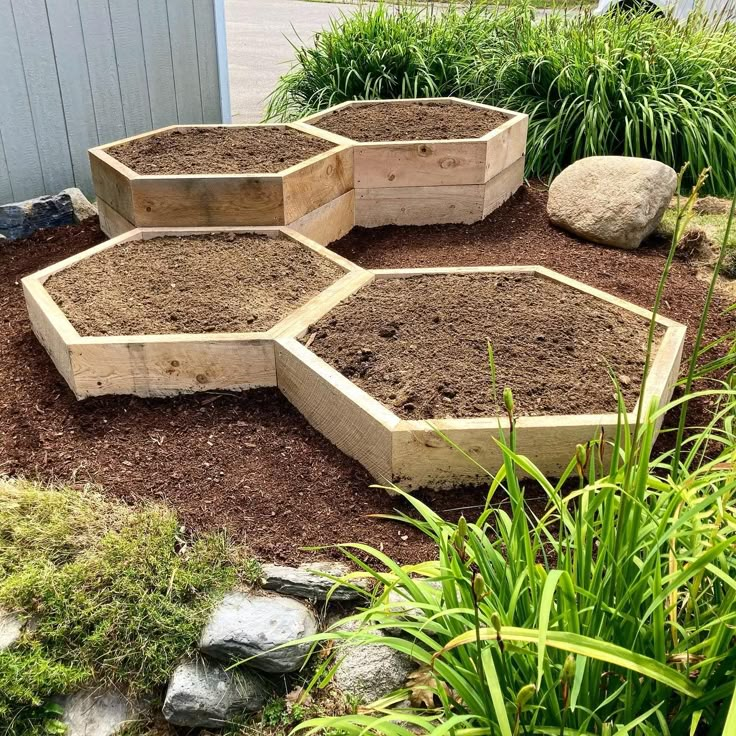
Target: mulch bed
259,150
420,346
411,121
195,284
249,462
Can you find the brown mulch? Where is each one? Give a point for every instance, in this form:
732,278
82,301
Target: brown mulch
411,121
258,150
220,282
420,346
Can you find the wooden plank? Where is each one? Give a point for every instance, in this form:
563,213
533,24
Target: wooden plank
42,85
173,366
159,63
208,200
419,205
417,164
74,82
128,42
312,184
502,187
112,223
397,273
353,421
102,67
330,221
505,145
184,57
111,181
209,78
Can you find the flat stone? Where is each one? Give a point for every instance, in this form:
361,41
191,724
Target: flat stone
11,628
612,200
244,626
83,208
202,694
309,581
21,219
96,712
371,671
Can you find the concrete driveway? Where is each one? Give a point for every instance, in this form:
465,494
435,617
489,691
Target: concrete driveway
258,36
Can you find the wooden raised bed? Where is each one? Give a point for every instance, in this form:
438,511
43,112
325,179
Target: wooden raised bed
163,365
127,199
421,182
410,452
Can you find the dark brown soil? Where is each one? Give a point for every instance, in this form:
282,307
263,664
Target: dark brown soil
420,346
206,283
262,150
411,121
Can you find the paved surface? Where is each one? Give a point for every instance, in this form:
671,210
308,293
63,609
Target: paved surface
258,36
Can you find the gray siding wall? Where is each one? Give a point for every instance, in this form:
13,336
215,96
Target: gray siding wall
78,73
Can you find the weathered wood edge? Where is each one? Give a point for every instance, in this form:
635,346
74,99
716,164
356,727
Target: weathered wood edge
329,222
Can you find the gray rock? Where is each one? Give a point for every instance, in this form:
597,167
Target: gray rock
371,671
11,628
244,626
83,208
96,712
309,581
206,695
613,200
21,219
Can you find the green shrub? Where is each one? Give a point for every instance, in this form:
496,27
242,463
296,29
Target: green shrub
615,84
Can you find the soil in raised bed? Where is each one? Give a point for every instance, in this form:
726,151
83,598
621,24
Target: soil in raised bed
411,121
195,284
259,150
420,346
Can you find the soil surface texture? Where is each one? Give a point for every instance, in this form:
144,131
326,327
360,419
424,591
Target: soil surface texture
411,121
262,150
195,284
420,346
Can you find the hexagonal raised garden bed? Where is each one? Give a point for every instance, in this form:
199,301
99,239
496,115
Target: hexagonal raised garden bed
427,161
157,312
407,354
218,175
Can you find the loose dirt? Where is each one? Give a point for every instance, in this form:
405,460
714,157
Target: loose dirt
420,346
262,150
198,284
411,121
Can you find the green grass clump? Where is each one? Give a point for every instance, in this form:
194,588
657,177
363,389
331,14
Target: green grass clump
119,594
643,85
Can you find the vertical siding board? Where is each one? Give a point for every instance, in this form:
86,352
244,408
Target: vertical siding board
184,53
42,85
102,68
128,40
76,93
6,190
209,81
159,64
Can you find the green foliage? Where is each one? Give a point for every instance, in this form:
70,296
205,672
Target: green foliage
642,85
119,594
612,612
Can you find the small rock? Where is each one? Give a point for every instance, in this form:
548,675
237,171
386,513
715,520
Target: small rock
205,695
371,671
244,626
309,581
83,208
96,712
613,200
11,628
21,219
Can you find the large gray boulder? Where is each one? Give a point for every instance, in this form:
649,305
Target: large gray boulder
11,628
21,219
613,200
82,207
312,580
206,695
96,712
244,626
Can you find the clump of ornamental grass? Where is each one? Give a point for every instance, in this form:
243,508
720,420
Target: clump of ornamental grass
611,612
118,595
